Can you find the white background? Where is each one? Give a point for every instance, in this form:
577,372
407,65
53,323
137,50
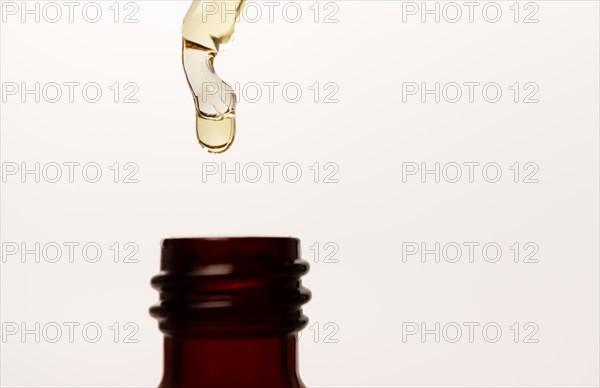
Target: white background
363,304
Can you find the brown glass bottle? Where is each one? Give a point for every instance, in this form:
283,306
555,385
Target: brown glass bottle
230,309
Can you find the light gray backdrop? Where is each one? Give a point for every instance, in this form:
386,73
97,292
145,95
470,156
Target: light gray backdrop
453,242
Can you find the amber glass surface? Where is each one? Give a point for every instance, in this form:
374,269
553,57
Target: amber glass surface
230,309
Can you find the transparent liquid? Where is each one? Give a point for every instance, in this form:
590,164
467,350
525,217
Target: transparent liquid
215,136
207,27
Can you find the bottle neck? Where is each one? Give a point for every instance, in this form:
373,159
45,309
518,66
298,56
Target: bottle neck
230,362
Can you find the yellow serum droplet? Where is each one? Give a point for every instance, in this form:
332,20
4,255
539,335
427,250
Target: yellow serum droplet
208,27
216,136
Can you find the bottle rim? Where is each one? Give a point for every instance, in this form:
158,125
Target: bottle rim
230,286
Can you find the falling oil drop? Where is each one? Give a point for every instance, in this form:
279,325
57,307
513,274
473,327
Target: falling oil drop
216,136
206,28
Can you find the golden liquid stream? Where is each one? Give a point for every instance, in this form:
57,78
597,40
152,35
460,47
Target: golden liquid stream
207,27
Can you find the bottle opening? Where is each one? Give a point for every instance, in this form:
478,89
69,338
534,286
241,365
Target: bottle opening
230,287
